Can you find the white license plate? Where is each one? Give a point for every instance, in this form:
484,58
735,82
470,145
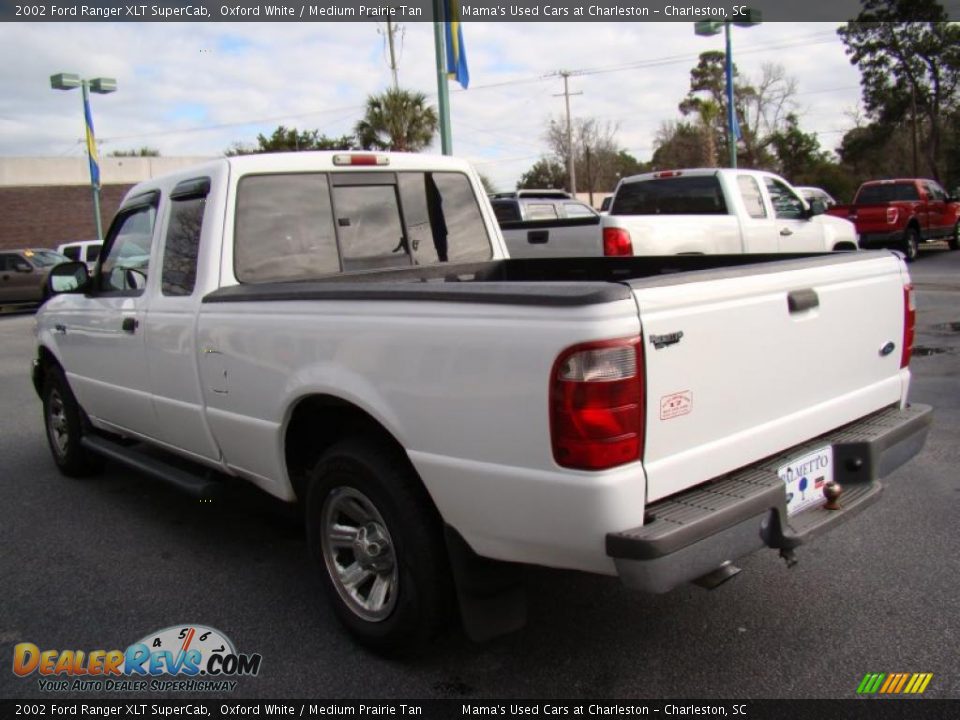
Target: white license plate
805,477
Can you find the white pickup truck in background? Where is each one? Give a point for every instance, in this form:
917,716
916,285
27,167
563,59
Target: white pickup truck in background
345,331
710,211
547,223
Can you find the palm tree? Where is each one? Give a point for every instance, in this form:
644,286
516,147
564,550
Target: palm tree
709,111
398,120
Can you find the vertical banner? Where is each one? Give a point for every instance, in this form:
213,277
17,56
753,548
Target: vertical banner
91,145
456,53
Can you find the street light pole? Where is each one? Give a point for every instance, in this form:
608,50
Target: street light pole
102,86
712,27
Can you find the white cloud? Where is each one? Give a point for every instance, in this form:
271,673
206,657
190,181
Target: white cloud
176,77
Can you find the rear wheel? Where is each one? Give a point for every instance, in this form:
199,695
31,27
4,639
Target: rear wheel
64,423
911,244
378,542
954,240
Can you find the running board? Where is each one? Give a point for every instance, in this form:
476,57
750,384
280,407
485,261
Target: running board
195,485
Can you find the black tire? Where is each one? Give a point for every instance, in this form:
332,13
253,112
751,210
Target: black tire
64,423
911,244
953,242
362,495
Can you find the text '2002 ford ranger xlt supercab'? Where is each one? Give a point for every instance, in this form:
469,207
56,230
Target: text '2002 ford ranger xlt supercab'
345,330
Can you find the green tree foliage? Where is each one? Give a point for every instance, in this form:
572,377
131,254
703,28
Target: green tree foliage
135,152
285,139
796,150
398,120
908,55
547,172
677,145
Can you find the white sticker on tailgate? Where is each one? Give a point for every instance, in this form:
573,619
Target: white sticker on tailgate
805,478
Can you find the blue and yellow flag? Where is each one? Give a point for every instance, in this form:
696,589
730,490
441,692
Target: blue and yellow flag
92,147
456,54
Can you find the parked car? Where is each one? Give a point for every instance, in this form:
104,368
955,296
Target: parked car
547,223
23,274
86,251
345,330
707,211
902,214
809,193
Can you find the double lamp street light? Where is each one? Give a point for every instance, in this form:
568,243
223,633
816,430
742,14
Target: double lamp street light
101,86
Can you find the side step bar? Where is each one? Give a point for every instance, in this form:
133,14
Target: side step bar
195,485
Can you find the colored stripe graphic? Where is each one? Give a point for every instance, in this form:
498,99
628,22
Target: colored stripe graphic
91,146
894,683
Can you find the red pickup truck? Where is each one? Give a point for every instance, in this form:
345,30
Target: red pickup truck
901,214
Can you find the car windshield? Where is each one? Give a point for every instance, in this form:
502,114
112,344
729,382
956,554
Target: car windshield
46,258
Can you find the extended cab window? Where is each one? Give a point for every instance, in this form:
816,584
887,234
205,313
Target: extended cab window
127,263
182,244
369,227
786,205
693,195
284,228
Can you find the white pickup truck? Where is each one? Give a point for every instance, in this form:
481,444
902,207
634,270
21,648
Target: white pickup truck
707,211
345,330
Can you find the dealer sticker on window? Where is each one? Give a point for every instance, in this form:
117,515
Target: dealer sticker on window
805,477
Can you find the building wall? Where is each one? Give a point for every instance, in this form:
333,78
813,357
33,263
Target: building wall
48,201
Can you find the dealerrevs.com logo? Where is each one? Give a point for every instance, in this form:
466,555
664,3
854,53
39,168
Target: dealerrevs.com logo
187,658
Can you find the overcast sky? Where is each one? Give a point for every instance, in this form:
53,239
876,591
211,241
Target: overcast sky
196,88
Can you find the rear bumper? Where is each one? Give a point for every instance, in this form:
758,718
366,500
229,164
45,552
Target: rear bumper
693,533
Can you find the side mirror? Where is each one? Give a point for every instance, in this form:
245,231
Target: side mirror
68,277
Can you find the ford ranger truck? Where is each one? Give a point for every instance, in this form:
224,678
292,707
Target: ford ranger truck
706,211
345,331
902,214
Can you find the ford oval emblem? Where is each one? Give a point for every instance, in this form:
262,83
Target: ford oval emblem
887,349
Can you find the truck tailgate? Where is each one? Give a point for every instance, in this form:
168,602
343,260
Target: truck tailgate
741,364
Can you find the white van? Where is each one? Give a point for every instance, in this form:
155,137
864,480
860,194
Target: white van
86,251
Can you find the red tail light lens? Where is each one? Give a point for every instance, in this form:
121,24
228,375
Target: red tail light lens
616,241
909,324
596,405
892,214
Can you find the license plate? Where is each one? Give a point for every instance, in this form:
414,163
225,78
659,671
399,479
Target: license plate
805,477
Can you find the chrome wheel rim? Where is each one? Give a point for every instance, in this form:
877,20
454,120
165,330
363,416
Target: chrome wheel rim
359,554
57,423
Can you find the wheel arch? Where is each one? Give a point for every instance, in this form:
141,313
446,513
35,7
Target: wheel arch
317,422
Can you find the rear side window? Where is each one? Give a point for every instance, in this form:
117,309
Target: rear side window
887,193
182,245
93,253
284,228
696,195
72,252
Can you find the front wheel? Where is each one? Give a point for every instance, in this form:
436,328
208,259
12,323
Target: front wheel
63,420
378,542
954,240
911,244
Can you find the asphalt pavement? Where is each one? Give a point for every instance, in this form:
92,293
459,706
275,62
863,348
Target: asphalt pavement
103,562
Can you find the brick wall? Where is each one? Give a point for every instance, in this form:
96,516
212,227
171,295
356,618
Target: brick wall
46,216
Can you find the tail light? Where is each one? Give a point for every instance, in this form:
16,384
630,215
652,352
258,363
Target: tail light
361,159
892,214
596,405
616,241
909,324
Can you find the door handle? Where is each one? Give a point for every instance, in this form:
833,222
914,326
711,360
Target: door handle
130,325
801,300
786,231
60,329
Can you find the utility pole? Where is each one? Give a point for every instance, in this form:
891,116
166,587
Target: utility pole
391,31
571,163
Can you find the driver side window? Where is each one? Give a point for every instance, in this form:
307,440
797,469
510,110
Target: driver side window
126,266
